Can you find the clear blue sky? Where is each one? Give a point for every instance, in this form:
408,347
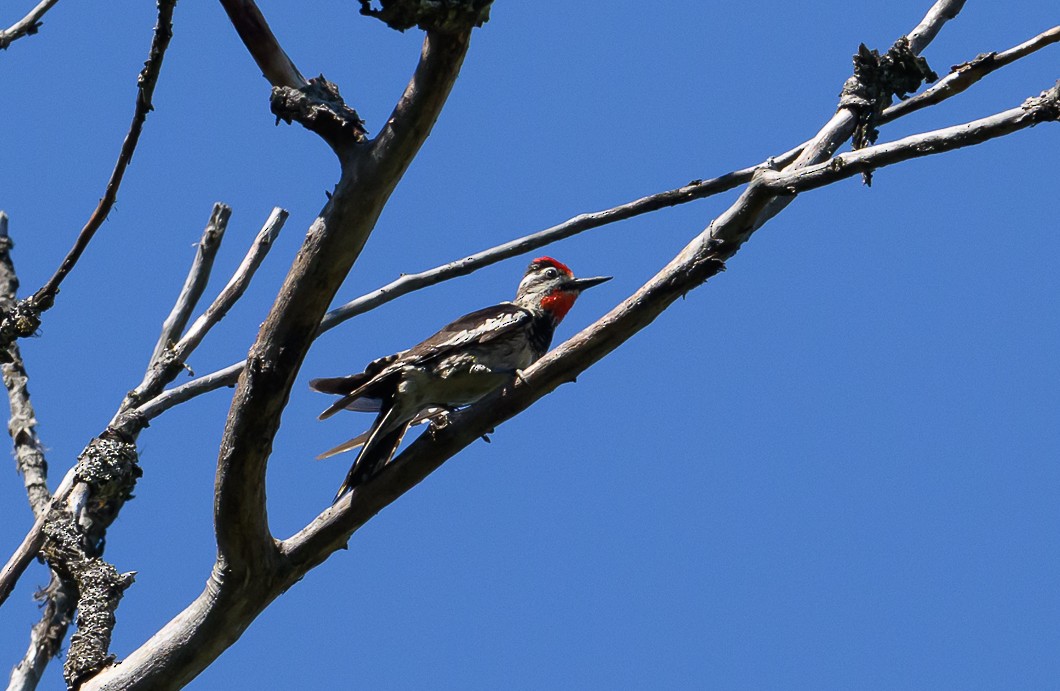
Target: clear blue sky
833,466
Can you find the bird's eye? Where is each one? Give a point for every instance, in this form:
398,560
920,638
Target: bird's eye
551,273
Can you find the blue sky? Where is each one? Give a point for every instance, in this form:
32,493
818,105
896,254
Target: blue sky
833,466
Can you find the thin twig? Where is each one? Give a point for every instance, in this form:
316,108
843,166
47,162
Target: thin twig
196,387
236,286
45,297
169,363
195,283
27,26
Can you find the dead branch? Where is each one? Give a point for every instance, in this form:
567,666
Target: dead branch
259,40
29,453
703,258
146,81
697,189
968,73
195,284
27,26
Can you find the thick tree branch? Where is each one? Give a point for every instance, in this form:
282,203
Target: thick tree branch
256,35
703,258
697,189
27,26
416,111
249,572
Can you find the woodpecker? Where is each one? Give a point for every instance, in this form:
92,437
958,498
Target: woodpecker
471,357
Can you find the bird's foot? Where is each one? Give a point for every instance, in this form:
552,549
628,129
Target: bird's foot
439,421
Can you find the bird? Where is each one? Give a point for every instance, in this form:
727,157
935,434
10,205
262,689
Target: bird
463,362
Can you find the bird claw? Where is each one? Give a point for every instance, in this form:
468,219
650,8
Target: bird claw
438,422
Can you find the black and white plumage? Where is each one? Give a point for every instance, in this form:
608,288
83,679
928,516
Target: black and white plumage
462,363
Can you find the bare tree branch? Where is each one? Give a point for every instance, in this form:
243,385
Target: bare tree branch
703,258
841,125
126,422
27,26
164,369
252,568
46,636
195,284
189,390
45,297
248,573
966,74
315,103
697,189
929,27
416,111
29,453
31,544
256,35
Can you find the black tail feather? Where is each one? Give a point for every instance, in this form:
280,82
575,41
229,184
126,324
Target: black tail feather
375,454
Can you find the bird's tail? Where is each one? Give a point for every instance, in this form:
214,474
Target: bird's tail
377,452
429,415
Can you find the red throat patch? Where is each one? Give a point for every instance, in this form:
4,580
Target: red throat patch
558,303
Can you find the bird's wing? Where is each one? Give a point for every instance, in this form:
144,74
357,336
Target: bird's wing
480,326
362,391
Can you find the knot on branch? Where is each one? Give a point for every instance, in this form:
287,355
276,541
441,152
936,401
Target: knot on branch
110,467
446,16
1045,106
983,61
7,37
877,79
20,321
319,108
